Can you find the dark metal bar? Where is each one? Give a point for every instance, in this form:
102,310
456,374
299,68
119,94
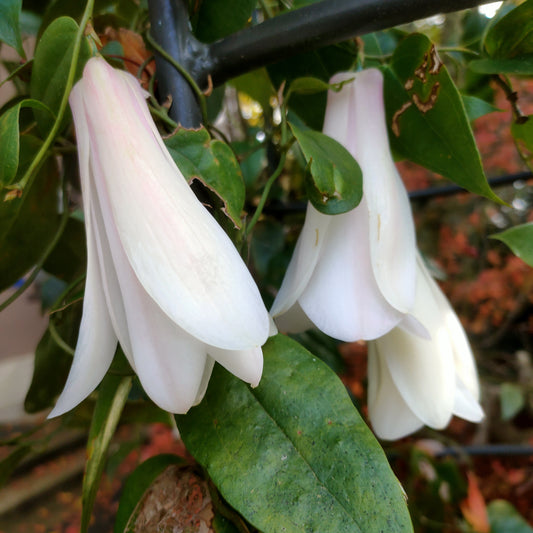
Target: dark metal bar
310,27
169,21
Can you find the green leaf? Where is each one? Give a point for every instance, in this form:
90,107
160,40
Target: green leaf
217,18
523,136
309,85
29,223
511,400
517,65
9,139
52,363
476,107
520,240
337,181
112,396
267,241
427,119
504,518
512,35
136,486
53,57
9,24
293,454
212,163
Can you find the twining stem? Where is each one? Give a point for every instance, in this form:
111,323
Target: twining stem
266,192
58,339
197,91
512,98
29,176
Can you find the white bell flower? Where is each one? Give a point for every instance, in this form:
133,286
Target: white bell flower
163,278
353,275
415,381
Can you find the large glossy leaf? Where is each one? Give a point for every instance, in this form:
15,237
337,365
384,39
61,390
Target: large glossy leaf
427,119
293,454
136,486
28,224
112,396
516,65
215,19
520,240
336,184
9,24
53,57
512,35
212,163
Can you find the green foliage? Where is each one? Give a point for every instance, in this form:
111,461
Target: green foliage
136,486
511,400
28,223
52,63
9,24
336,184
426,116
504,518
522,131
287,461
212,163
214,19
112,396
520,240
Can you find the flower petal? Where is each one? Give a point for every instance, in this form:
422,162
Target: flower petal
423,370
342,298
356,118
466,405
179,253
245,364
306,254
391,417
208,369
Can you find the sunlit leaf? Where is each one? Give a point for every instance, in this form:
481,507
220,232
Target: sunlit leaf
427,119
336,184
504,518
293,454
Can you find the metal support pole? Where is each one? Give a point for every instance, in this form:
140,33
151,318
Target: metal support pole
170,28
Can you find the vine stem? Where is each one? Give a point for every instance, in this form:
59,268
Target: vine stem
265,194
190,80
29,176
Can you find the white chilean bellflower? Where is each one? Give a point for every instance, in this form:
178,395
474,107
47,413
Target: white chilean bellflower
414,381
353,275
163,278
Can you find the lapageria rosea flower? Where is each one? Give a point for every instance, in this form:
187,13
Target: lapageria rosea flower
353,275
414,381
163,278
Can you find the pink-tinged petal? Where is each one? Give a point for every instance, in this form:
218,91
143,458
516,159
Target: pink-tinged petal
391,417
180,255
342,298
245,364
96,340
306,254
170,363
423,370
358,122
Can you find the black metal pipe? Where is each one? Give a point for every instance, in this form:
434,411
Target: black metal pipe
169,20
310,27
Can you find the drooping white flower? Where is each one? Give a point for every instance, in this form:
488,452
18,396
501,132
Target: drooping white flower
353,275
414,381
163,278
